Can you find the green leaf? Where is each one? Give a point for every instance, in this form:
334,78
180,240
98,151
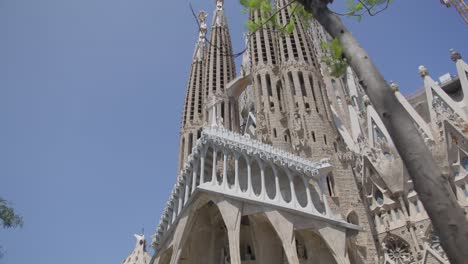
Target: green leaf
336,63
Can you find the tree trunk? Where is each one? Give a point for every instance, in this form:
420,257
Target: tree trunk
448,218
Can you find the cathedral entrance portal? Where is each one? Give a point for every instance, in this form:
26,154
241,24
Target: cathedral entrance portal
207,242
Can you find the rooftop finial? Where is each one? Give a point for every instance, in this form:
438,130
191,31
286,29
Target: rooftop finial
395,87
219,4
423,71
202,15
455,55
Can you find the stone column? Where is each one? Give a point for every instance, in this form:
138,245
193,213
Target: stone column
310,204
249,178
194,179
409,225
277,186
224,184
202,169
236,173
262,179
231,213
336,241
213,173
293,191
285,231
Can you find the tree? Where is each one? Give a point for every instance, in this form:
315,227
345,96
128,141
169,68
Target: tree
8,216
434,190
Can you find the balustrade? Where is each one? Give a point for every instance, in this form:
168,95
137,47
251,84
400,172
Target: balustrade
247,170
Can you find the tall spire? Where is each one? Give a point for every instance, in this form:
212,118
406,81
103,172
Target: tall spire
192,119
220,68
220,64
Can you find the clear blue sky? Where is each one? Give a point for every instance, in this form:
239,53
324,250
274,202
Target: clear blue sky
91,94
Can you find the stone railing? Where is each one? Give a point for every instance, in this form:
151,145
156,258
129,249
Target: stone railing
246,169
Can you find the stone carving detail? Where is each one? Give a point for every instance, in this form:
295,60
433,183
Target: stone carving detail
433,242
347,156
444,112
301,250
262,129
297,134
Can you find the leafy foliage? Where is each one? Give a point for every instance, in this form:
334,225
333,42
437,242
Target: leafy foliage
8,216
358,8
335,60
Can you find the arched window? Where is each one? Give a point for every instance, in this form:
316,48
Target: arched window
302,83
378,196
465,163
190,143
222,112
268,81
352,218
416,207
279,92
259,84
465,190
331,185
291,83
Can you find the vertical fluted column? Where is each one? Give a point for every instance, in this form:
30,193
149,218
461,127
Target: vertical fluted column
262,180
213,173
181,201
236,173
310,204
224,183
249,178
195,176
202,168
174,212
187,185
277,186
293,191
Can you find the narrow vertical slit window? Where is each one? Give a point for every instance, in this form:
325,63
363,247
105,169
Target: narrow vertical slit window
302,83
291,83
268,81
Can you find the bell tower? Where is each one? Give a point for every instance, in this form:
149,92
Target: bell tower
192,118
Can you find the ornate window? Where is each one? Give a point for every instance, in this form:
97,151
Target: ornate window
397,250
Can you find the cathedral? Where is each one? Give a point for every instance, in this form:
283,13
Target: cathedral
283,163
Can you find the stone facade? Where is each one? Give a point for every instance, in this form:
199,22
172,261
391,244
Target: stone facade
287,164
